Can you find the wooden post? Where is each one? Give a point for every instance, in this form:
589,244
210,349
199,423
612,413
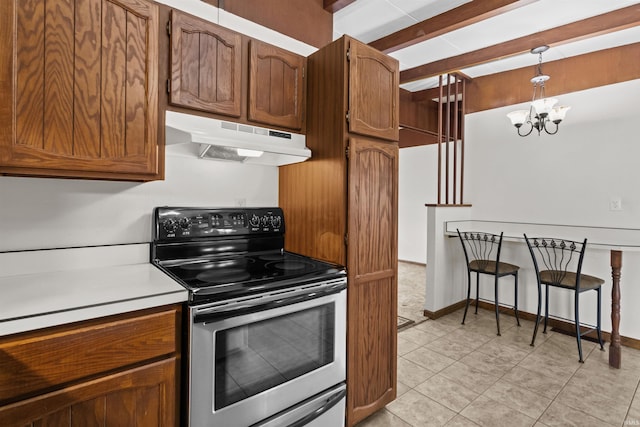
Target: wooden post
615,356
462,108
456,109
440,140
447,139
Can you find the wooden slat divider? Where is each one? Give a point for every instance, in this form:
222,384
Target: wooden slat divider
453,171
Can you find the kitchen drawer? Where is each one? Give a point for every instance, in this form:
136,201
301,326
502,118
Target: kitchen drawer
41,361
141,396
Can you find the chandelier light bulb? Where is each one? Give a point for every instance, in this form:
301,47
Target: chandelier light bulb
557,114
544,106
518,117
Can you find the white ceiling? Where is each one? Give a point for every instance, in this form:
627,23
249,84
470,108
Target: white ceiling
369,20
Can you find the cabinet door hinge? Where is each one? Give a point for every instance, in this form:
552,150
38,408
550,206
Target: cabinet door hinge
349,54
347,116
169,27
168,85
346,239
346,152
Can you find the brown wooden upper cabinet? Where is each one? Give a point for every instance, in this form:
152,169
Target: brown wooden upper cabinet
373,97
79,84
276,86
206,65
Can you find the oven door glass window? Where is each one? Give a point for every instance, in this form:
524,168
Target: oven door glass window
255,357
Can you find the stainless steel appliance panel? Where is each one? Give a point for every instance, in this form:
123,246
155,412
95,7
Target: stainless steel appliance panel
326,409
248,367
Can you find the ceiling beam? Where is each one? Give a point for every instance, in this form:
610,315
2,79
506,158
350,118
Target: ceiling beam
461,16
426,94
576,73
335,5
602,24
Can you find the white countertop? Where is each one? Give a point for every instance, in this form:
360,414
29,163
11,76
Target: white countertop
82,283
608,238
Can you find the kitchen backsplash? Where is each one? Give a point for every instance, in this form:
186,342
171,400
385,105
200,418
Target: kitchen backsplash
37,213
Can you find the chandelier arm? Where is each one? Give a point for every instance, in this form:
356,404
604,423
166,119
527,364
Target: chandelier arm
530,129
547,130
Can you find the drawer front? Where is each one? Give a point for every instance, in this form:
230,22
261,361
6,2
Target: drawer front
142,396
43,360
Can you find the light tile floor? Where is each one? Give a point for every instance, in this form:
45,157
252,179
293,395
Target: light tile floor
464,375
411,283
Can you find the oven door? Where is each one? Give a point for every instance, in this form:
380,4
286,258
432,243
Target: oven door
252,358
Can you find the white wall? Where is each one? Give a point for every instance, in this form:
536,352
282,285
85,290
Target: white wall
417,184
567,178
40,213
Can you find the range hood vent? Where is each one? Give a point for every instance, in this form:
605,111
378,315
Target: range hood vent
222,140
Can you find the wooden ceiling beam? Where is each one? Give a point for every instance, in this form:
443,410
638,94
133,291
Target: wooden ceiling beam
335,5
461,16
598,25
434,93
425,95
576,73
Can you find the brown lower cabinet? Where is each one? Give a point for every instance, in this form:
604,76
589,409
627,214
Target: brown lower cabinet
121,370
342,205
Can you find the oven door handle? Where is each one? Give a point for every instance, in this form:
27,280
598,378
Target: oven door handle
332,401
309,414
254,306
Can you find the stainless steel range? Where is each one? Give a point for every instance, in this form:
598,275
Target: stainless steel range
267,330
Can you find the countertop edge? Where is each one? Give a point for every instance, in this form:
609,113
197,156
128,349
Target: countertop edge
31,323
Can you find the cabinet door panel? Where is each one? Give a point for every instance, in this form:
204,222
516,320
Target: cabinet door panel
88,90
58,76
30,80
373,92
372,260
206,62
143,396
83,80
113,64
50,358
276,86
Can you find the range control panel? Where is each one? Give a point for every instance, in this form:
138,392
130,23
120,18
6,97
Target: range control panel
184,223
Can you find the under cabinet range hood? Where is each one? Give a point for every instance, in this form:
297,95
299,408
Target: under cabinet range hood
224,140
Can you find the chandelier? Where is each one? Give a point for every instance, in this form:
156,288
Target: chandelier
542,111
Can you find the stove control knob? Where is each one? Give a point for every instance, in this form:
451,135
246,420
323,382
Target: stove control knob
170,225
185,223
276,221
266,221
254,221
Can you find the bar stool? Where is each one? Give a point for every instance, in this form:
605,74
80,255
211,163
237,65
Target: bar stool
562,263
482,253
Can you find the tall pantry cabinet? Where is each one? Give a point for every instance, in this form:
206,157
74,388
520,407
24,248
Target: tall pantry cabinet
342,205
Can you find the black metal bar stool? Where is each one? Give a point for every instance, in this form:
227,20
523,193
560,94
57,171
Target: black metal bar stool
561,263
482,253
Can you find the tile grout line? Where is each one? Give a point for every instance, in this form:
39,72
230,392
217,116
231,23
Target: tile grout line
573,377
635,393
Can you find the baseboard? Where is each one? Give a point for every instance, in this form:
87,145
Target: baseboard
421,264
443,311
562,325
